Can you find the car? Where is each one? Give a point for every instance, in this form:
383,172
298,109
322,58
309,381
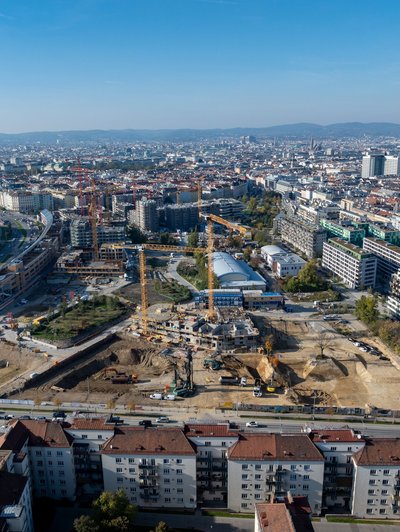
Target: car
145,423
9,416
24,417
156,396
252,424
163,419
40,418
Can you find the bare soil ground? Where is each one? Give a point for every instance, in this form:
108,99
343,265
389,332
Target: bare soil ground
346,377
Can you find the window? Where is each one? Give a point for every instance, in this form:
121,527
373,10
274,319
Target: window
131,460
179,471
293,467
131,470
166,461
257,477
179,480
178,460
223,444
244,477
371,492
244,486
62,482
52,482
133,490
119,469
384,492
372,482
41,473
61,473
118,460
167,490
348,460
244,505
292,486
51,473
369,510
349,449
333,448
385,482
50,462
131,480
293,477
383,501
306,477
258,466
59,453
382,510
305,487
257,496
386,472
307,468
245,466
179,499
372,472
167,499
84,436
120,479
166,480
60,463
40,463
42,481
244,495
179,490
38,453
99,437
166,471
48,453
207,443
370,501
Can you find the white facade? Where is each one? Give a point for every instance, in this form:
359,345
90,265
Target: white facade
26,202
353,265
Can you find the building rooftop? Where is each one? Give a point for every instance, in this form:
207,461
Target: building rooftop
379,452
327,435
285,447
209,431
290,515
145,441
90,423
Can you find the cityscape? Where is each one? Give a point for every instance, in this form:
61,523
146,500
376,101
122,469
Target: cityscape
199,279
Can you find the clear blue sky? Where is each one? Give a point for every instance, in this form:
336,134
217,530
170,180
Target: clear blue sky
82,64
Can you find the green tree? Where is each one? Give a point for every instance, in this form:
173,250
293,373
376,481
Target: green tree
136,235
167,240
193,239
367,309
112,512
161,527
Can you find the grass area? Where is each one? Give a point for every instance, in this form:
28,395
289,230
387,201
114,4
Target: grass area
324,295
84,316
334,519
193,275
222,513
174,291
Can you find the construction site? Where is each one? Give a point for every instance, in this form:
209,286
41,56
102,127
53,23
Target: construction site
207,356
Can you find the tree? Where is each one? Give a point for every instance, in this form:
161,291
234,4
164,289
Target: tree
193,239
112,512
325,341
167,240
136,235
367,309
161,527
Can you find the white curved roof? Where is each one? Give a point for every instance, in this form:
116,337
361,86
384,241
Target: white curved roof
225,266
272,250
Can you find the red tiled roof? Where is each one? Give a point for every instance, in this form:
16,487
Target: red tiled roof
328,435
291,515
379,451
90,424
288,447
46,434
216,431
15,438
138,440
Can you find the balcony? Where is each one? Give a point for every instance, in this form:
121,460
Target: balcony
147,466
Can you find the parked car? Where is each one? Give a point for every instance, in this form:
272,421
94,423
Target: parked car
252,424
163,419
169,397
157,396
145,423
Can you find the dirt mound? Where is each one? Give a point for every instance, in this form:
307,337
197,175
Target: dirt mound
265,369
300,395
238,368
322,369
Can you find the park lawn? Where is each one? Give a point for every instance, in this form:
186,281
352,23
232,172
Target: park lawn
86,315
174,291
334,519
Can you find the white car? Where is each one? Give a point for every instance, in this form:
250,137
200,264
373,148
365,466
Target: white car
252,424
163,419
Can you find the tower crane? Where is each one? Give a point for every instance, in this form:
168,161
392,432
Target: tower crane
241,229
93,220
172,249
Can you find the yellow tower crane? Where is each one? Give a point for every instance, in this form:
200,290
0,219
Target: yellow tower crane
171,249
93,220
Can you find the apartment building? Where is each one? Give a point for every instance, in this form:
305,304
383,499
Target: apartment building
304,237
350,233
82,234
338,448
156,468
184,217
355,266
15,503
388,257
393,300
376,488
26,202
262,467
145,215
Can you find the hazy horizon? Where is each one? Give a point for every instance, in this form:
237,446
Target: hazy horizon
196,64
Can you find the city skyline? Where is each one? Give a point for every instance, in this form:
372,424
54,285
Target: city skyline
96,64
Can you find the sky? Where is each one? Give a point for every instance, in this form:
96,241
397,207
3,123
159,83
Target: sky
152,64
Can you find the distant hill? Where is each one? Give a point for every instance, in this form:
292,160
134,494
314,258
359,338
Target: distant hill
301,130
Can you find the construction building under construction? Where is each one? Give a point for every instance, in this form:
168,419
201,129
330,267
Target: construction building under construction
74,263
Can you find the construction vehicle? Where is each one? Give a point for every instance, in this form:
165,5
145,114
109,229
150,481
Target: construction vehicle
257,390
122,378
210,363
228,380
271,387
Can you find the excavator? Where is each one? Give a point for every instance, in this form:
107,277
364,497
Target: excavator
210,363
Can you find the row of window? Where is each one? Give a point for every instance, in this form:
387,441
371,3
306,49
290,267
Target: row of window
293,467
165,480
49,453
148,461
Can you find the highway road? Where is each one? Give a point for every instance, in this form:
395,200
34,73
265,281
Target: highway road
19,240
